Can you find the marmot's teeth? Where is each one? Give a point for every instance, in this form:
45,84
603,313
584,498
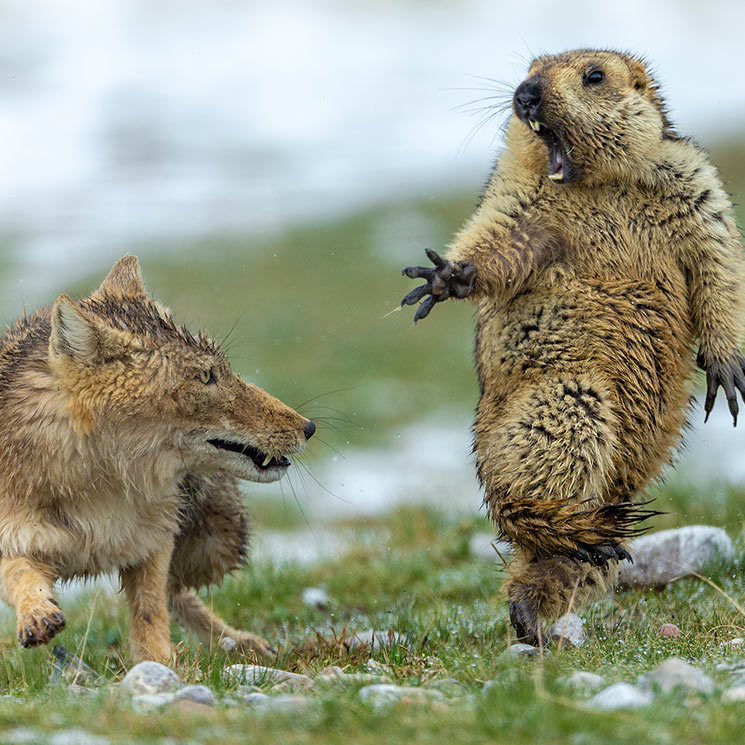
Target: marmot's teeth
534,125
556,176
267,461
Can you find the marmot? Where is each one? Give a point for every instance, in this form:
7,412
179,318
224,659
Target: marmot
603,247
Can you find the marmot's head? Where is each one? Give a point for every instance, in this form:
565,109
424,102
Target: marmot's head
589,116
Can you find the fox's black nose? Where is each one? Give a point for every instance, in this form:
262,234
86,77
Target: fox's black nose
528,98
310,428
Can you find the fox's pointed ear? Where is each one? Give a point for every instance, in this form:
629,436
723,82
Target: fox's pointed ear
74,334
124,280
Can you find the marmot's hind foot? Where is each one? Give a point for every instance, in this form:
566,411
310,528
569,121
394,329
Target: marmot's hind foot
524,620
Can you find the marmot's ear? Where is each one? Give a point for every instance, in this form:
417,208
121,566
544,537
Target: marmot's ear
76,335
124,280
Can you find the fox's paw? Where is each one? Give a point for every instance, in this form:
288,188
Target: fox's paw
247,642
446,279
40,624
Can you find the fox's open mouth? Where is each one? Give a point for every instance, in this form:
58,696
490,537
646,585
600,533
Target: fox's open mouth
262,461
558,168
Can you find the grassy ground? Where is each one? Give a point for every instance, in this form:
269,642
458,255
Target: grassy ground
411,572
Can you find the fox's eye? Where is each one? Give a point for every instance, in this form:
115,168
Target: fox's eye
207,377
594,77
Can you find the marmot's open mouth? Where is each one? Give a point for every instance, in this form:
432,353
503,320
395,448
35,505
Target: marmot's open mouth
557,166
262,461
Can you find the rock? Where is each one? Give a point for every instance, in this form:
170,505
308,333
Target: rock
315,597
523,652
676,673
581,680
382,694
486,546
70,668
260,675
662,557
568,629
621,696
669,630
199,694
348,680
149,677
75,736
147,702
227,644
278,704
736,693
734,645
376,640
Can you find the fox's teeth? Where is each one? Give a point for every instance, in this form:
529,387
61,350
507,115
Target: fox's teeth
556,176
267,461
534,125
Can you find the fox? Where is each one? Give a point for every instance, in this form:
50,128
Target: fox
123,439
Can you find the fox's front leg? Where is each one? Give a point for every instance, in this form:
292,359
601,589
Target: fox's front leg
28,586
145,586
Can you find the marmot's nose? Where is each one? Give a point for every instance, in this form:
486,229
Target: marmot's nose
528,98
310,428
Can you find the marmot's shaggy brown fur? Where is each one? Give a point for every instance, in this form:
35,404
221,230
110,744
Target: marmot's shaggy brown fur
603,247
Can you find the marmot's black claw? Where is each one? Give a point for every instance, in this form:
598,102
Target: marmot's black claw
524,620
446,279
730,374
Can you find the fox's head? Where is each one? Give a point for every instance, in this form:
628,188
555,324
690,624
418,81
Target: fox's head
124,368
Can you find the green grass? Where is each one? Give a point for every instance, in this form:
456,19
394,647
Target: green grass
418,580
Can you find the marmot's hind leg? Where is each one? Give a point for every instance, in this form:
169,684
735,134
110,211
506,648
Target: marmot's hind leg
546,469
211,543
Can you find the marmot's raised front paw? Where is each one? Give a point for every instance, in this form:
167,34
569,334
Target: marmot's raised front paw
446,279
730,374
40,624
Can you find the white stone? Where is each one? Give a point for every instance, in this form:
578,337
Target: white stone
199,694
260,675
315,597
580,680
147,702
487,546
383,694
676,673
737,693
568,630
376,640
75,736
621,696
662,557
149,677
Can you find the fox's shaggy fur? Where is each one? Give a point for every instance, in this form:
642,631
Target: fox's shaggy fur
603,247
122,439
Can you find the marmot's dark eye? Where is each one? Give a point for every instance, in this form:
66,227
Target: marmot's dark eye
594,77
207,377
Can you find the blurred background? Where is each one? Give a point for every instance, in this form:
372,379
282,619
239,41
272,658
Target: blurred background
274,165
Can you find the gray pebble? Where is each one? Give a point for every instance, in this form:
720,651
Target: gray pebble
149,678
260,675
666,555
580,680
523,652
383,694
621,696
199,694
568,630
676,673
